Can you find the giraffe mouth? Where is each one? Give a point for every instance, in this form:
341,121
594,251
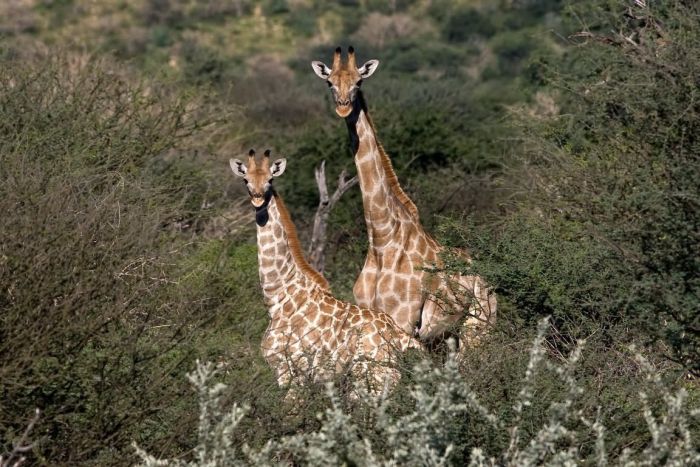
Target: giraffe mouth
343,110
257,199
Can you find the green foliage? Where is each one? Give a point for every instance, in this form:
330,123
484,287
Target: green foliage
276,7
513,50
627,159
161,36
603,220
89,328
202,64
219,269
546,268
466,23
302,20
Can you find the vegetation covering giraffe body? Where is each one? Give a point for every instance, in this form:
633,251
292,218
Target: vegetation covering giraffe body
396,276
309,329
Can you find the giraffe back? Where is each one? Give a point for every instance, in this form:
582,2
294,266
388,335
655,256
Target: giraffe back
312,331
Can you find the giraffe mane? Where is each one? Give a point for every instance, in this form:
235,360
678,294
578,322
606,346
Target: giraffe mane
295,245
393,180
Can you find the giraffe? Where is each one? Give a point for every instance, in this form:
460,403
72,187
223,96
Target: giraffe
402,274
311,332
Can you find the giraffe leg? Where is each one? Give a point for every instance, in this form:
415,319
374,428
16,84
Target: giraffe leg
291,368
293,399
286,380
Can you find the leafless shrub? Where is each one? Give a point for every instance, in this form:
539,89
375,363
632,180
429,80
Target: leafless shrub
441,397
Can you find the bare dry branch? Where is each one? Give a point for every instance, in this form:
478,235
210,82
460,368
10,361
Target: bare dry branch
317,256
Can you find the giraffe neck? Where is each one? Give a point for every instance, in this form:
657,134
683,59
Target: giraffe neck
280,259
385,203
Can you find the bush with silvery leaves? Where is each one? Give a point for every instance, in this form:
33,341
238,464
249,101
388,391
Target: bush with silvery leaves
423,436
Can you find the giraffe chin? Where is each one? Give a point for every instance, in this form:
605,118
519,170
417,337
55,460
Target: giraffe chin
343,110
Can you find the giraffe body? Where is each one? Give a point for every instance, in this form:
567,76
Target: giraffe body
402,272
311,333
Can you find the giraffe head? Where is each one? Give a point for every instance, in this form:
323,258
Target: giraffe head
344,79
258,176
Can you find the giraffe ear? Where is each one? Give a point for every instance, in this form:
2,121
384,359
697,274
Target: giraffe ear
238,168
368,68
321,69
277,167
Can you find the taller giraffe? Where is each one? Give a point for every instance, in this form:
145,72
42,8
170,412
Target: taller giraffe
396,277
309,329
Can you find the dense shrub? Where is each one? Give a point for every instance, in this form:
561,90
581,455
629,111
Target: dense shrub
90,325
545,267
629,166
466,23
604,223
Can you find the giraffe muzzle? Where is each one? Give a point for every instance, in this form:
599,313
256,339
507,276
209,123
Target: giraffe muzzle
343,110
258,199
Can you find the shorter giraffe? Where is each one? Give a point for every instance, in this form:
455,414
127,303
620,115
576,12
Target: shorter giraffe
311,333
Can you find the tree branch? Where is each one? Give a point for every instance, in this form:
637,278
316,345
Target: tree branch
318,237
15,458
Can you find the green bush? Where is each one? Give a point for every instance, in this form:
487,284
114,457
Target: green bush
514,49
466,23
603,228
276,7
303,21
90,327
202,65
627,162
545,268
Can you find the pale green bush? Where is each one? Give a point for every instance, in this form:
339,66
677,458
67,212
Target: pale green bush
423,437
215,446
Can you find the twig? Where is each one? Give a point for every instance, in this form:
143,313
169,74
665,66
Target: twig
15,458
